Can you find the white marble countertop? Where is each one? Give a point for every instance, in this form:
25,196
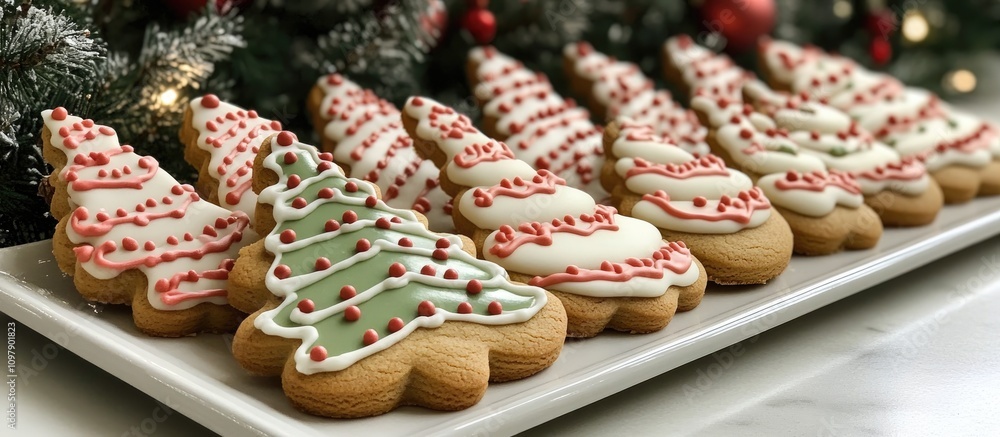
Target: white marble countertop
919,354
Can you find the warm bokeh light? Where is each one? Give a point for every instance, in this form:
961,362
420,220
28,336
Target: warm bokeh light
962,80
168,97
915,27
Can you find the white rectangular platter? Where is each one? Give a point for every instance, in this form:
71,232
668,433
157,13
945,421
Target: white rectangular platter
198,377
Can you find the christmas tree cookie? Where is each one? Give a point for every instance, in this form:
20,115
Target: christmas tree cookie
672,181
961,152
222,140
365,309
549,132
367,139
898,189
610,271
617,90
129,233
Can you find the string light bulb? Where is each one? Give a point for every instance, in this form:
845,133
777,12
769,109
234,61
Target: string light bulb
168,97
961,80
915,27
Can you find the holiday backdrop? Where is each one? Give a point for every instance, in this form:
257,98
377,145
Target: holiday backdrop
136,64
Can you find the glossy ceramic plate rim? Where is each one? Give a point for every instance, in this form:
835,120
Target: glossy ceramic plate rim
110,350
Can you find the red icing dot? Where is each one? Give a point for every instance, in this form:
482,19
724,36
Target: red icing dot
426,308
299,203
210,101
293,181
149,245
290,158
371,201
495,308
350,217
352,313
370,337
442,243
286,138
363,245
395,324
287,236
382,223
331,225
396,270
428,270
700,201
172,240
323,263
465,308
792,176
347,292
474,287
317,353
59,114
450,274
232,198
417,101
440,254
405,242
746,134
129,243
306,306
351,186
324,166
282,271
325,193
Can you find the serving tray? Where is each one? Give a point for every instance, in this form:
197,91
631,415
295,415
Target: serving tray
198,377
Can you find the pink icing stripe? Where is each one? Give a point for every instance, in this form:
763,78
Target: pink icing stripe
709,165
489,152
544,182
818,181
170,294
509,240
137,218
674,257
215,246
906,170
739,210
113,179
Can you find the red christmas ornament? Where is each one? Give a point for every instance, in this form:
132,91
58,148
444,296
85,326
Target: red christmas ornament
433,21
881,23
880,50
741,22
480,22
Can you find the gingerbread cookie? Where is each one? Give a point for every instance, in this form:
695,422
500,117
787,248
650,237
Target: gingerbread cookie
727,221
694,69
549,132
616,89
826,212
366,309
957,149
222,140
365,135
130,234
691,197
898,189
610,271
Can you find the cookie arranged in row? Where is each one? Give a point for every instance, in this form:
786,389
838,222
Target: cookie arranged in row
610,271
543,129
825,209
689,194
960,151
343,284
366,137
129,233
